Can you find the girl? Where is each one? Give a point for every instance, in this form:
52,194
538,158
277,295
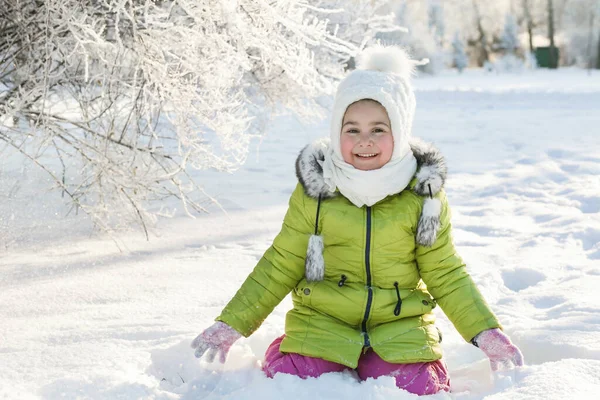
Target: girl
366,250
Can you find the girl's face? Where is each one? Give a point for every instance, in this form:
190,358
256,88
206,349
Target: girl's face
366,140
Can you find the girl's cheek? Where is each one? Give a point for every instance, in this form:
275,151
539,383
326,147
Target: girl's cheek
347,145
345,141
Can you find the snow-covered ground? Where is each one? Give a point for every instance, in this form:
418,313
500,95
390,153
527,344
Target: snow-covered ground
80,320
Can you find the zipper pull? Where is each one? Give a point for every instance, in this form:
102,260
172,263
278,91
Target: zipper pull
341,282
399,303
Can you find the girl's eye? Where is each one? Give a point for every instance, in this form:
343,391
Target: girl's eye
352,131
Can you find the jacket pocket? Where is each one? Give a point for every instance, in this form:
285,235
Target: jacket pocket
416,303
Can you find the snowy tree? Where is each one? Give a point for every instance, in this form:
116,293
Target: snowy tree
573,24
581,31
423,41
401,19
119,100
435,50
436,22
459,56
511,59
529,22
510,36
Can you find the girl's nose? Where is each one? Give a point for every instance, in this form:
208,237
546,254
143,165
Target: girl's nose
365,140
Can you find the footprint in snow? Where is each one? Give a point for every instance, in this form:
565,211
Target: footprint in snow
522,278
547,301
527,161
560,153
595,256
485,231
589,205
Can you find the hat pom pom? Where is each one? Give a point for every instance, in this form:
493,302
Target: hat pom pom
387,59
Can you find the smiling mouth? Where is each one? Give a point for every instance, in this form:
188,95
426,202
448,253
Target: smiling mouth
367,155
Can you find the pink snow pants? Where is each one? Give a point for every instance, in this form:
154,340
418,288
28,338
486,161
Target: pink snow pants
419,378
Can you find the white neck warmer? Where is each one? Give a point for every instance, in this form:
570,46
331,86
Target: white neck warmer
368,187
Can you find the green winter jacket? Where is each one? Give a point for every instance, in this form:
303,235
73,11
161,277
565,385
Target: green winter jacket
376,273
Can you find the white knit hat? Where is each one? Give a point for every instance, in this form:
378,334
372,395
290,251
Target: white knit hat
383,74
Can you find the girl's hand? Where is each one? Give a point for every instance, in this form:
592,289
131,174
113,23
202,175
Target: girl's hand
499,349
218,338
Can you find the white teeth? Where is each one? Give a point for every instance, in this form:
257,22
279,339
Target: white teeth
366,155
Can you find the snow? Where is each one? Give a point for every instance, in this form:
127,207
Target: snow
81,320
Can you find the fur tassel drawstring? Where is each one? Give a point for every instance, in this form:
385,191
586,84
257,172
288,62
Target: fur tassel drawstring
314,266
429,223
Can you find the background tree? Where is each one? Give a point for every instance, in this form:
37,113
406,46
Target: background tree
551,34
481,43
459,56
528,22
424,36
580,31
510,36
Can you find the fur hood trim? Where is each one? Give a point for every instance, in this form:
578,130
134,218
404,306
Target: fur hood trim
430,176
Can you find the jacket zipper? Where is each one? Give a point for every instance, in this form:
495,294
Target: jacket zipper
370,290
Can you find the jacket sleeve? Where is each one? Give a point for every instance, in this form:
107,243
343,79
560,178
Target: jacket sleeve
447,279
277,272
